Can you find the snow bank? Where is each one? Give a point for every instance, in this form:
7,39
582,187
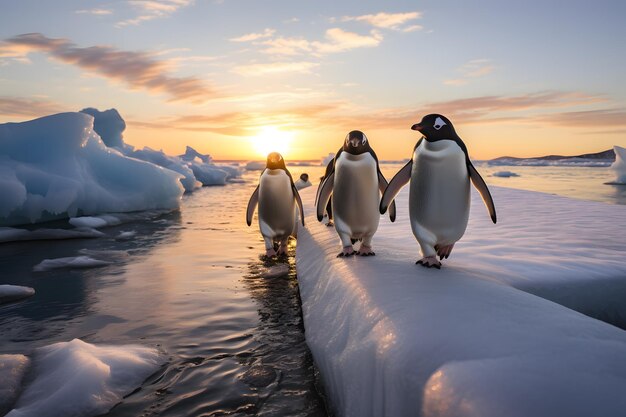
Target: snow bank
12,370
394,339
10,293
57,166
80,379
619,166
505,174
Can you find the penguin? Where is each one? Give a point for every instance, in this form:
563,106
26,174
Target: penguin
276,196
354,182
440,172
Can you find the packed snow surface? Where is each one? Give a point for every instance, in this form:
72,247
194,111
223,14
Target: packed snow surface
9,293
493,333
619,166
81,379
57,167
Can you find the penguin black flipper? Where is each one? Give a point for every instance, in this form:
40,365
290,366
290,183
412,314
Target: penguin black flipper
325,192
382,186
296,194
481,186
330,167
397,182
252,203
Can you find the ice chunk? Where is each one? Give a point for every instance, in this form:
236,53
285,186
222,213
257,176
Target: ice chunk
69,262
173,163
126,235
109,125
10,293
58,167
12,370
11,234
191,154
255,165
81,379
619,166
505,174
493,333
95,221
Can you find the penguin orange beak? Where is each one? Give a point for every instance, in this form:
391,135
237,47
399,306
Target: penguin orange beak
417,127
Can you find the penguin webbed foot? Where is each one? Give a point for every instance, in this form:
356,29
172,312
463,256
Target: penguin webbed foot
269,253
330,223
444,251
346,252
429,262
365,250
282,252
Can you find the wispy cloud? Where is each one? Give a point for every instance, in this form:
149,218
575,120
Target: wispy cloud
153,9
267,33
602,118
472,69
28,107
95,12
395,21
275,68
339,40
138,70
336,40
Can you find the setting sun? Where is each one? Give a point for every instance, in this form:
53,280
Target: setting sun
272,139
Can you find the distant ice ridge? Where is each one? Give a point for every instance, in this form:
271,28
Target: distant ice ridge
197,169
498,331
76,378
57,167
537,162
619,166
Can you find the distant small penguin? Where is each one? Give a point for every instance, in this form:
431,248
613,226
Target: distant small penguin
353,182
439,198
276,196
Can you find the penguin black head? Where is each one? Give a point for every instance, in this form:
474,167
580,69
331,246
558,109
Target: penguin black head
356,143
275,161
435,127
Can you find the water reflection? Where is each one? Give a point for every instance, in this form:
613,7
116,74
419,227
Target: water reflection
62,306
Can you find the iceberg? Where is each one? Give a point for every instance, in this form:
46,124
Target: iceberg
57,167
497,332
81,379
619,166
196,169
255,166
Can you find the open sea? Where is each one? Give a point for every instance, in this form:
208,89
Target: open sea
192,283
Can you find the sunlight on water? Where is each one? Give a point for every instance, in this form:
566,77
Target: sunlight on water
192,284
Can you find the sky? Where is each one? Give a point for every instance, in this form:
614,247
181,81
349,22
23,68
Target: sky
239,78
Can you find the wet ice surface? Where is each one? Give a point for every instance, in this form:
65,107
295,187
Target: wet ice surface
190,284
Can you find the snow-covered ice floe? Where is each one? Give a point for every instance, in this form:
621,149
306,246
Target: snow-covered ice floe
57,167
10,293
498,331
12,234
79,379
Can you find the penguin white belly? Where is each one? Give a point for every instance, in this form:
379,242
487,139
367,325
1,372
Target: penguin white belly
439,198
277,207
355,195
